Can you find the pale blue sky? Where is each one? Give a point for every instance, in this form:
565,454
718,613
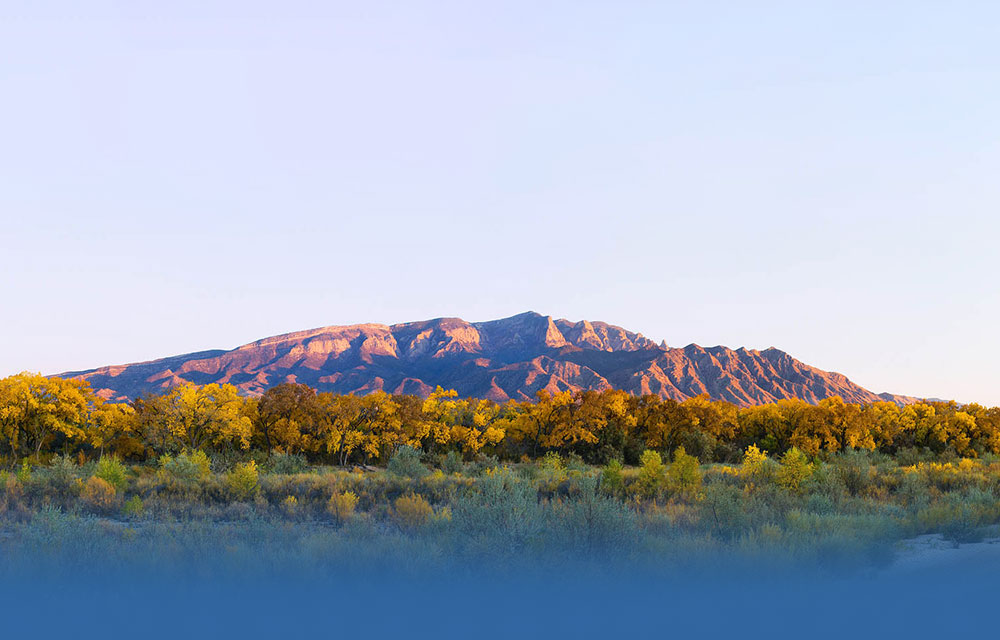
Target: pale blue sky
817,176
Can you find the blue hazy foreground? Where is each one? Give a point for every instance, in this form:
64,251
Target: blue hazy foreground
264,580
552,546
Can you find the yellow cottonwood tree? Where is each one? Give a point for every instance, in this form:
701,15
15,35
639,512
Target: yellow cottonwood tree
536,422
581,424
113,427
367,424
483,423
846,424
441,411
196,417
36,410
284,415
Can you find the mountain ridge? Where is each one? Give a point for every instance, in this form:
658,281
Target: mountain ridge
508,358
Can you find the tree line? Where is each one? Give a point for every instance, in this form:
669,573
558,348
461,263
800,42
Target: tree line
42,416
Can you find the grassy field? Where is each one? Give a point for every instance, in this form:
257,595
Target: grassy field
846,513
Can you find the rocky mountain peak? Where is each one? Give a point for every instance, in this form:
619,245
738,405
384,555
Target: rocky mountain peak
509,358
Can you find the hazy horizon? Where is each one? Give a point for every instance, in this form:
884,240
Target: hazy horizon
198,176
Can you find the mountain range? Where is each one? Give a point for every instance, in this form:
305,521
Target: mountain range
511,358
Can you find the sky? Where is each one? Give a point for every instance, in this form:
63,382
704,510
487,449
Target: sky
820,177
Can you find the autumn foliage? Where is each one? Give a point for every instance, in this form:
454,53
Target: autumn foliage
41,417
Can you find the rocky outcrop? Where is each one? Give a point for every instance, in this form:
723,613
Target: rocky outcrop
511,358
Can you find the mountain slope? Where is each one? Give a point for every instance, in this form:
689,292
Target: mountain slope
511,358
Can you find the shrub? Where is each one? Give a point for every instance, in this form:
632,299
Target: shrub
290,506
501,515
684,475
575,464
341,506
651,472
909,456
756,465
133,508
12,491
723,510
412,511
243,480
969,512
288,463
855,471
452,463
186,468
99,495
406,463
484,463
794,470
612,478
912,489
111,470
551,461
551,471
200,460
61,476
24,473
591,522
820,503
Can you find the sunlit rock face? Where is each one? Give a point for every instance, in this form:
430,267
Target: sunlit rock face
507,359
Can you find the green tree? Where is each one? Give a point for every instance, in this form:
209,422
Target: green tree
795,469
756,465
612,478
651,473
406,463
243,480
684,475
112,471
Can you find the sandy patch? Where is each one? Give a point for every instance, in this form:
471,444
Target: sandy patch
932,552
